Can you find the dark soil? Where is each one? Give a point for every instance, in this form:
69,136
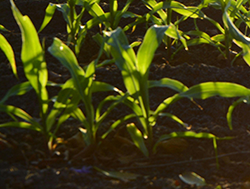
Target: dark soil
24,160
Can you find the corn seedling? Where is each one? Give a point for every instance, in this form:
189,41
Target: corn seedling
82,88
35,70
79,87
75,29
111,19
164,11
135,70
238,14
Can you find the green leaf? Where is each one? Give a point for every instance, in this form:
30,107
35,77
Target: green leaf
174,33
23,125
210,89
65,9
117,100
234,31
18,89
137,138
175,118
231,109
3,28
188,134
99,86
170,83
60,104
125,59
238,37
49,12
82,82
96,11
19,113
148,47
63,53
32,56
117,123
165,104
8,51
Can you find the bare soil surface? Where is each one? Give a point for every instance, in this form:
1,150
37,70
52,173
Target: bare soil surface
24,159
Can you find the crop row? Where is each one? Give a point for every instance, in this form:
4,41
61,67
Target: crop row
134,67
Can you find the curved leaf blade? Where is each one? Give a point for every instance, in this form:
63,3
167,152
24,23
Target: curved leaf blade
210,89
18,89
148,47
169,83
23,125
9,53
137,138
231,109
19,113
49,12
32,56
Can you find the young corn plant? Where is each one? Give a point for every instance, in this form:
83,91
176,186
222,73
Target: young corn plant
243,42
75,29
111,19
189,38
238,14
79,87
82,87
35,70
238,37
161,14
135,69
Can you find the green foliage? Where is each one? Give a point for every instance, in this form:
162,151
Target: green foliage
234,15
81,88
35,70
134,68
77,31
8,51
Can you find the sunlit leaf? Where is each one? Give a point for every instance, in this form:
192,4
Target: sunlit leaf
125,59
49,12
137,138
117,123
3,28
60,103
32,56
8,51
188,134
18,89
173,117
169,83
231,109
148,47
210,89
20,124
63,53
19,113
